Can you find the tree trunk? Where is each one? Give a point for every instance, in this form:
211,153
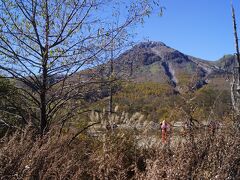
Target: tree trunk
43,94
235,85
43,108
110,105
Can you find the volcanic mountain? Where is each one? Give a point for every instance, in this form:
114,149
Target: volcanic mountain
160,78
156,62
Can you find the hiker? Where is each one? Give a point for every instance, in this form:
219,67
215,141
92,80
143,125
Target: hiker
165,127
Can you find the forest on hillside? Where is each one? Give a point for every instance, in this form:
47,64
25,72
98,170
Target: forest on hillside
81,99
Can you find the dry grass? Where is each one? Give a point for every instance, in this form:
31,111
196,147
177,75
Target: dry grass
116,155
213,157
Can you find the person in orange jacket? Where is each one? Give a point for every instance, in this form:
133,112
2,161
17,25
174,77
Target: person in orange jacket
165,127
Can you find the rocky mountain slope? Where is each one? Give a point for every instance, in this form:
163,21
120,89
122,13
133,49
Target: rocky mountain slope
156,62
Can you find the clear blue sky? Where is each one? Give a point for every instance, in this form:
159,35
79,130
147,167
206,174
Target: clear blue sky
201,28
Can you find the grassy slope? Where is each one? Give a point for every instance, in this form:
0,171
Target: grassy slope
157,101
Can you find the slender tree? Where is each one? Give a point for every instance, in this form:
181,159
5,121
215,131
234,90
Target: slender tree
235,85
110,106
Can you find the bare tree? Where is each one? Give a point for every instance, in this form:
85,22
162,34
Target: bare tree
117,46
112,71
44,44
235,85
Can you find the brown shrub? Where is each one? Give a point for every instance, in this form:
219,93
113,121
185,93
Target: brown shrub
116,155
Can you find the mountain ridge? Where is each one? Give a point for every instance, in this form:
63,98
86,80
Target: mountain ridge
157,62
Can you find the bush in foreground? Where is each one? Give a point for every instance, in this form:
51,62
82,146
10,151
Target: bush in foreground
117,155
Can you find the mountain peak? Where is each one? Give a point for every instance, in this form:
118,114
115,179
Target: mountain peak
150,44
155,61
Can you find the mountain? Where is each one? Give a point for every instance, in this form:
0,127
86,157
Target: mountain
157,62
163,82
